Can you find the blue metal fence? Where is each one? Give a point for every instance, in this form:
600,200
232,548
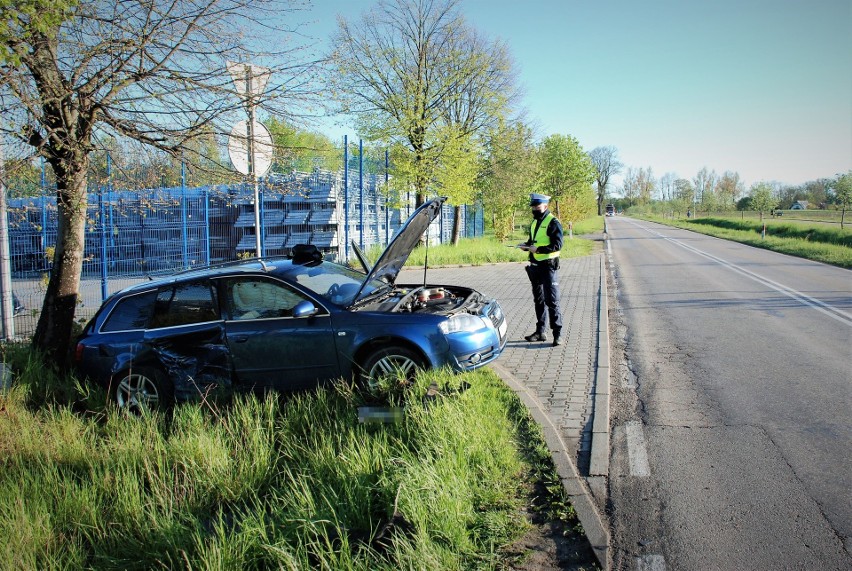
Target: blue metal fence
131,235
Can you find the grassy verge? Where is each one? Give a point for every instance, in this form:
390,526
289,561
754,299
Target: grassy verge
488,250
269,482
814,242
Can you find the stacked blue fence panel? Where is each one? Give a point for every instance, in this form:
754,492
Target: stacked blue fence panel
132,234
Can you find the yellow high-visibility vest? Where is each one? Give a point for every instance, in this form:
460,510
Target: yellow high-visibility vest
540,238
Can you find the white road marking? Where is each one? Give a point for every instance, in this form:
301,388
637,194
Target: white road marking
636,450
650,563
833,312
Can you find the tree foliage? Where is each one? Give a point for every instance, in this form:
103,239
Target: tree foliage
74,75
409,72
762,198
639,185
704,183
301,150
842,187
21,19
567,173
456,173
509,168
728,190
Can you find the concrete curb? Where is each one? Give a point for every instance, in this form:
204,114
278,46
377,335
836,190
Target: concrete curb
599,463
577,487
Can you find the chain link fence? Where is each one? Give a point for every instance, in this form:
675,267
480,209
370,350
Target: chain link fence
134,235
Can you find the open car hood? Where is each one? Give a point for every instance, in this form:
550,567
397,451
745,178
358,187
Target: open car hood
389,264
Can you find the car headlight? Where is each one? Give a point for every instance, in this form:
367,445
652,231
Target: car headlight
460,322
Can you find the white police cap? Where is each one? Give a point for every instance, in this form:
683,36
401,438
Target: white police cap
538,199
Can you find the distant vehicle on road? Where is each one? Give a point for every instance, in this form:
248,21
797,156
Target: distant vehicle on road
610,210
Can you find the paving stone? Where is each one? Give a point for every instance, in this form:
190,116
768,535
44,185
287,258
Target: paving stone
562,378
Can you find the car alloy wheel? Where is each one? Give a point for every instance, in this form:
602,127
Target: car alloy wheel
391,362
142,389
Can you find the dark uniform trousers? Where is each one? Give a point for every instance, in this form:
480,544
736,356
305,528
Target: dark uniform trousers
545,288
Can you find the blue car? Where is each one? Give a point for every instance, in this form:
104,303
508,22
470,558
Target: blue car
285,324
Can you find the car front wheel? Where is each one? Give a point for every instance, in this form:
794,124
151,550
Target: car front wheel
391,362
143,389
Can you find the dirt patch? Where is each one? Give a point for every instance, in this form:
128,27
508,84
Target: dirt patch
551,544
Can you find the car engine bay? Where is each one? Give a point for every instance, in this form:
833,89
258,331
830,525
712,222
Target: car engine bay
427,299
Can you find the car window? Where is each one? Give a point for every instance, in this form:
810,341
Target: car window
334,282
184,304
132,312
258,298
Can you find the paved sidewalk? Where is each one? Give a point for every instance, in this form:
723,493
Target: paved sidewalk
562,386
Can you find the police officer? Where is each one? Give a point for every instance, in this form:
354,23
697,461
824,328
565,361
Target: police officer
544,244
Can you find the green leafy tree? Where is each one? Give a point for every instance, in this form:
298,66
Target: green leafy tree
299,150
408,70
22,20
152,72
763,198
842,187
816,191
684,195
456,174
567,173
509,168
728,190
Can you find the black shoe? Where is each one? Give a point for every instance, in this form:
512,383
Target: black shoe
536,337
557,341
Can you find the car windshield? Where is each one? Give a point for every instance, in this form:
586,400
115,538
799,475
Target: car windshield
337,284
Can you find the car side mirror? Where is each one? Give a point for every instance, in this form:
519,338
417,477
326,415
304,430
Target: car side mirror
305,309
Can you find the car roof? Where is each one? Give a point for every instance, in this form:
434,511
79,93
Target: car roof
273,266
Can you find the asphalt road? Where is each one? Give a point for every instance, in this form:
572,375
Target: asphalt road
732,407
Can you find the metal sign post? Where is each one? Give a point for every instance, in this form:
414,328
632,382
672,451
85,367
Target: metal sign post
6,296
250,81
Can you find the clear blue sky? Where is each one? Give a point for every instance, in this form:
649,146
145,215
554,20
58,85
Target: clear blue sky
758,87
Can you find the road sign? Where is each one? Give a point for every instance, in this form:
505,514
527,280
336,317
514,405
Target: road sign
238,148
249,79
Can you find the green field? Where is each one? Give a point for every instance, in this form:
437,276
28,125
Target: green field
820,241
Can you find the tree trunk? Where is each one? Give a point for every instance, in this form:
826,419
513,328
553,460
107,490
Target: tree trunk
54,329
457,214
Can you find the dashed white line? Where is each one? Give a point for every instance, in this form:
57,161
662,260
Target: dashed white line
829,310
636,451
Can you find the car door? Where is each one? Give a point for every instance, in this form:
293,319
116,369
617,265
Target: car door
185,338
270,347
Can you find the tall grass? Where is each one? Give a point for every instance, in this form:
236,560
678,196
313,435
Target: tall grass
264,482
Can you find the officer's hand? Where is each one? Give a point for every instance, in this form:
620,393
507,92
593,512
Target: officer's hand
533,248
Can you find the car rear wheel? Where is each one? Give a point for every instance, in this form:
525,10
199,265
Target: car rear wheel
142,389
390,362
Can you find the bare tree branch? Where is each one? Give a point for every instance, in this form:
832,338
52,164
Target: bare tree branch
150,71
